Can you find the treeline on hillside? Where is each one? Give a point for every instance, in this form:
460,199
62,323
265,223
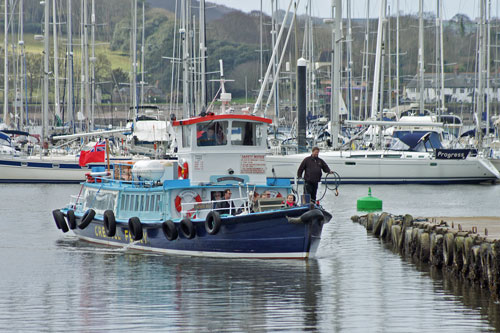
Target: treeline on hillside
235,37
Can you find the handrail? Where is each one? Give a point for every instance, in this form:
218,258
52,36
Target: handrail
195,205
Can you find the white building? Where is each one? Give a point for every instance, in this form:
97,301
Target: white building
457,88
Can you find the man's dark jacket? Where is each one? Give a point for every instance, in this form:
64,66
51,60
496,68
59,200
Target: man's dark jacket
312,167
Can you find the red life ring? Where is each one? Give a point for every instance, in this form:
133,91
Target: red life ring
183,171
178,202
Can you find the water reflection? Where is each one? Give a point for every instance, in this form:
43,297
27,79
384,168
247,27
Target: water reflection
53,282
189,293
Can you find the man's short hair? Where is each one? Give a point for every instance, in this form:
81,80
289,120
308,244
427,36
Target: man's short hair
315,148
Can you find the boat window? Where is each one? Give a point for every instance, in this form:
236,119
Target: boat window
246,133
157,203
141,206
100,201
213,133
186,136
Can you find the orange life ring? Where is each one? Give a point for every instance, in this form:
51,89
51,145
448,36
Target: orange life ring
178,203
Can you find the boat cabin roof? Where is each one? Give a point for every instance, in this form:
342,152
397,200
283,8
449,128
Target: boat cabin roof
213,117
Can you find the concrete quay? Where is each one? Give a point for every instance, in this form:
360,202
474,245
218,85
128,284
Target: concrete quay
466,247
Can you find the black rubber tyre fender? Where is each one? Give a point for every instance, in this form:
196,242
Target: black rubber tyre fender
312,215
59,219
135,228
187,228
169,230
86,218
213,223
70,216
109,223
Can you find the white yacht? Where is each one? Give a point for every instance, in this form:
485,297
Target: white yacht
415,156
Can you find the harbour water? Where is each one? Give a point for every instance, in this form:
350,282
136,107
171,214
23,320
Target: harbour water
51,282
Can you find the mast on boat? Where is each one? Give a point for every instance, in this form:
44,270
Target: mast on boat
143,48
336,73
92,64
421,54
134,60
378,59
57,110
6,64
45,97
70,69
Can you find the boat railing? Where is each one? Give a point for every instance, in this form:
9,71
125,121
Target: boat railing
75,202
191,209
244,206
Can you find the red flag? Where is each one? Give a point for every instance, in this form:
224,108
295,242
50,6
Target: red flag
96,154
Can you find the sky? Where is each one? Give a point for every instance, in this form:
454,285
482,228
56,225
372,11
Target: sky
322,8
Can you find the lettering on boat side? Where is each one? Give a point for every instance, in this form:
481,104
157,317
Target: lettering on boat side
253,164
238,179
128,238
452,154
101,232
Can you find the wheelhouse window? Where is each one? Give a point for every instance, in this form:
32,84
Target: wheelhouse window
212,134
245,133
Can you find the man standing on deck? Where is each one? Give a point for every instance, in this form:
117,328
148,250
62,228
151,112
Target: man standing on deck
312,165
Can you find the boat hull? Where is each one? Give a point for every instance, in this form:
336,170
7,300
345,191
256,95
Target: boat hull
369,169
27,170
262,235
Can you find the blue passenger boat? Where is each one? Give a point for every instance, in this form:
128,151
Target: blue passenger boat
173,206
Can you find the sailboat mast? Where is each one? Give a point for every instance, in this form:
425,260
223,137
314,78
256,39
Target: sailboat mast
203,54
45,111
378,59
23,68
336,72
57,111
488,60
364,72
70,69
92,63
261,77
185,59
86,68
134,60
421,54
441,56
480,95
6,64
349,61
397,58
143,48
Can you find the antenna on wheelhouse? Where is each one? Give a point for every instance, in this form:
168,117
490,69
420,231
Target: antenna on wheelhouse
225,97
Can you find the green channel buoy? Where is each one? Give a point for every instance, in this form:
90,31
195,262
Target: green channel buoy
369,203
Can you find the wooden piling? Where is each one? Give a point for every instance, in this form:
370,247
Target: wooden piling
467,247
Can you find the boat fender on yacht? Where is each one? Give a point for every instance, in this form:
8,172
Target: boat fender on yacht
59,219
187,228
308,217
70,216
86,218
109,223
135,228
183,196
169,230
212,223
